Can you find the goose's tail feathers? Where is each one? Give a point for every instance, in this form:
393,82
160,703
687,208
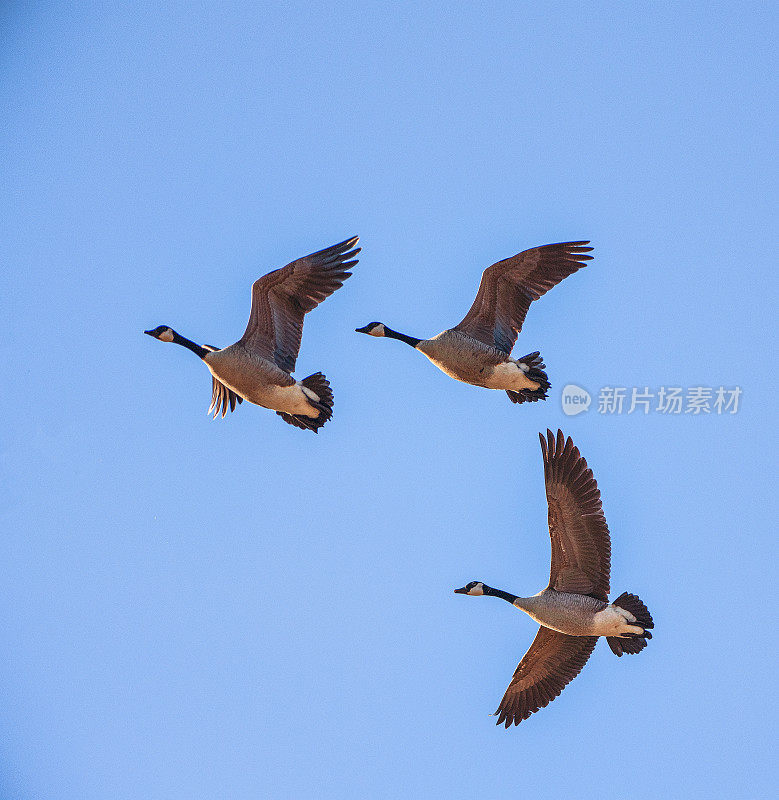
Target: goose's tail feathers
320,386
634,642
535,372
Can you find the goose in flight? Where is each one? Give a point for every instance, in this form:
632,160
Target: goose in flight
258,366
478,349
574,609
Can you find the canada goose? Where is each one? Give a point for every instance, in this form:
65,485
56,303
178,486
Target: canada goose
574,608
478,350
257,367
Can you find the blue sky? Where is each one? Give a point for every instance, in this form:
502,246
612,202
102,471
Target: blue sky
199,609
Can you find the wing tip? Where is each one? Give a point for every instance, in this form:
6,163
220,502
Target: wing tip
336,251
575,250
556,443
346,244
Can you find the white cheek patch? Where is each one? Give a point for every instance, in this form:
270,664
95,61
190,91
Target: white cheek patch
166,336
477,590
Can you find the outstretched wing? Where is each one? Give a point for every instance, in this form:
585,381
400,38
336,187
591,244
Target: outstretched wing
221,396
509,287
283,297
552,662
581,546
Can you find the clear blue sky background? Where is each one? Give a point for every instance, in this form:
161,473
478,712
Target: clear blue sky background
239,609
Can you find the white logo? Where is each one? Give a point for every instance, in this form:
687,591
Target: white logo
575,400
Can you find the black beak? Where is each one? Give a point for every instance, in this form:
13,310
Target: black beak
149,333
464,590
364,329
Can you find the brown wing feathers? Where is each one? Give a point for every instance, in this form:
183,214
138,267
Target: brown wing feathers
552,662
508,288
221,397
283,297
581,546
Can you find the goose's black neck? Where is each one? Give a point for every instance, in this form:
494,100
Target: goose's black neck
190,345
510,598
401,337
